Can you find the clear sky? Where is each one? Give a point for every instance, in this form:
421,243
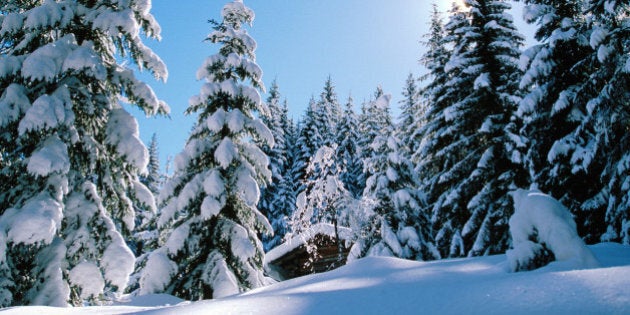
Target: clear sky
360,43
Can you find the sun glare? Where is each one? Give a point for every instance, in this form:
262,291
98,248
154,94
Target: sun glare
460,4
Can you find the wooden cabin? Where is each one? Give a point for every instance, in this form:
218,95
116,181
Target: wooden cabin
292,258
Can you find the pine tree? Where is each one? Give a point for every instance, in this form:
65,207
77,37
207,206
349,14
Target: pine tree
397,224
433,94
324,200
144,237
607,141
375,120
213,249
307,143
153,177
273,200
348,151
71,152
589,107
469,194
410,119
562,156
328,113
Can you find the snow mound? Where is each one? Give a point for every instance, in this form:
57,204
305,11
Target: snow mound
385,285
541,226
149,300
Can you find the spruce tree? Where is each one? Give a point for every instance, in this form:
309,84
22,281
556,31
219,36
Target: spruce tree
349,151
557,112
71,152
607,141
469,194
411,118
274,196
397,224
374,121
153,177
212,248
588,111
324,200
328,114
308,141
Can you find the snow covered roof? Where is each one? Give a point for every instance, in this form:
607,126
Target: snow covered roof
301,239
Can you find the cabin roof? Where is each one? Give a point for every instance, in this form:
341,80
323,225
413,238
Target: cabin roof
295,241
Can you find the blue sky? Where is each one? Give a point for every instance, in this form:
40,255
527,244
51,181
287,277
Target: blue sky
360,43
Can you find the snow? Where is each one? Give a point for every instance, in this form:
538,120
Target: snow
122,132
241,244
210,207
158,270
114,22
219,276
37,221
51,157
598,36
213,184
117,262
87,276
482,81
11,23
177,239
45,63
539,216
84,58
47,111
235,120
247,187
216,122
50,13
225,153
603,52
379,285
390,238
13,102
144,195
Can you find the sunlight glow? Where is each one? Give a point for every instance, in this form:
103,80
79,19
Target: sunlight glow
460,3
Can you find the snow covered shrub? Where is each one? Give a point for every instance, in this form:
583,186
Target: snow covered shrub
542,231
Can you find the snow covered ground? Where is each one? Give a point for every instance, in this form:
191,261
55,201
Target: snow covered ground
394,286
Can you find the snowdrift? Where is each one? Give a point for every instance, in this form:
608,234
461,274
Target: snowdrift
541,224
393,286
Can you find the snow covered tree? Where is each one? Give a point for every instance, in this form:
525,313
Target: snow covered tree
374,121
397,224
571,112
470,151
349,152
308,141
71,152
153,178
328,113
433,93
273,201
145,235
411,118
325,199
606,140
213,249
